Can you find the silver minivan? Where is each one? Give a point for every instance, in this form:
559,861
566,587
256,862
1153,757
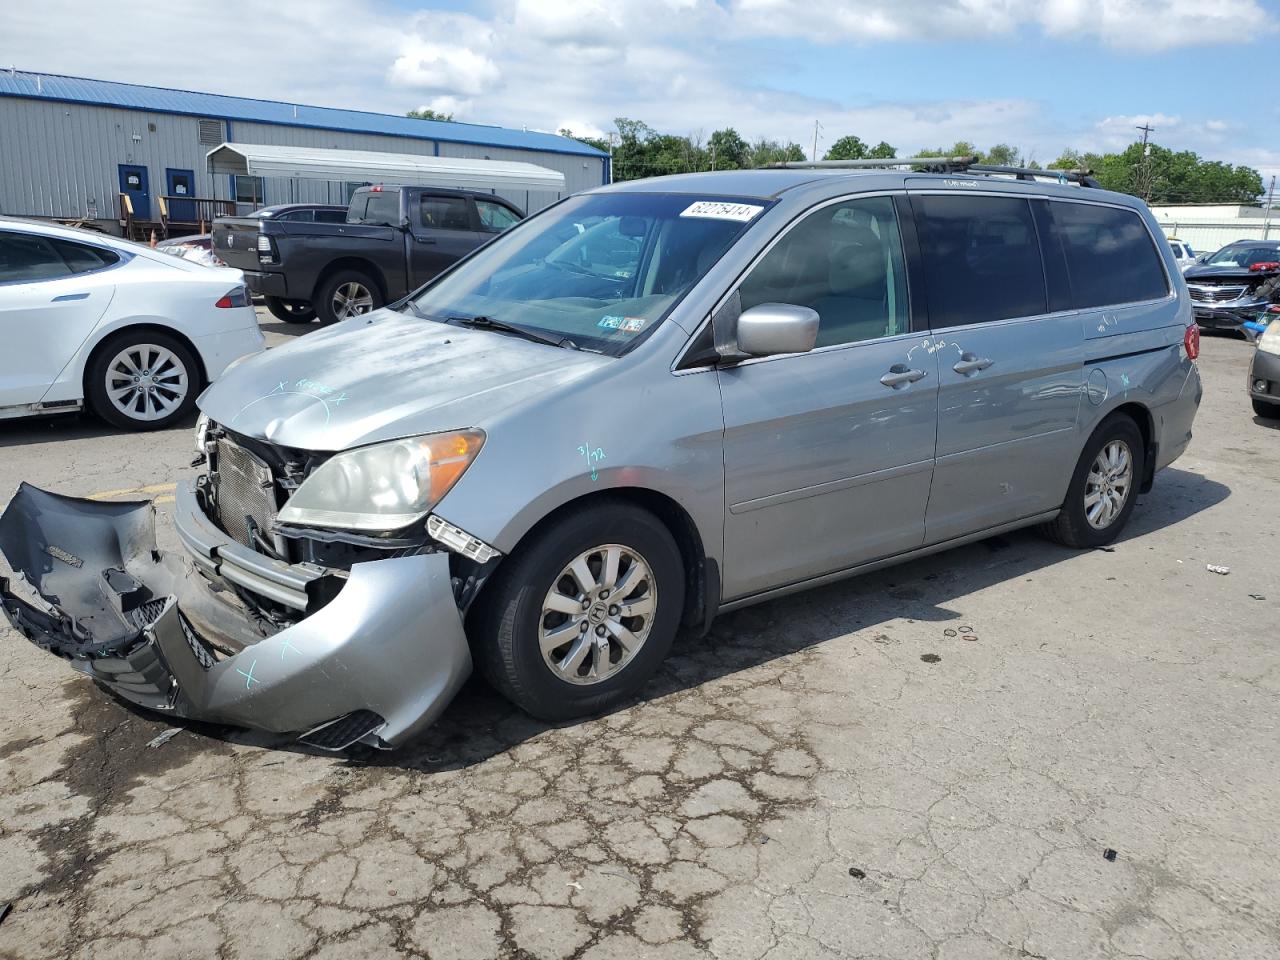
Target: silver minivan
648,404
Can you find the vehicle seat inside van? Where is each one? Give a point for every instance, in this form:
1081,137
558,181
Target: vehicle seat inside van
856,304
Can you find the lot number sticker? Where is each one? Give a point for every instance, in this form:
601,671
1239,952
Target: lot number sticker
717,210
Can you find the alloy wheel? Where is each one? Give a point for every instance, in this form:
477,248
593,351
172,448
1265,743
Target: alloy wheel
147,382
351,299
1108,485
597,614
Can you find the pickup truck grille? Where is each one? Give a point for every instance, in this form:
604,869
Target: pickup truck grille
1216,294
245,493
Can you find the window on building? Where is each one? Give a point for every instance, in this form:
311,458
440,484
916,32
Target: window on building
844,261
1110,256
249,190
981,259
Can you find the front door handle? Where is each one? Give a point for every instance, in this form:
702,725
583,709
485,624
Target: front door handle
900,375
424,239
968,364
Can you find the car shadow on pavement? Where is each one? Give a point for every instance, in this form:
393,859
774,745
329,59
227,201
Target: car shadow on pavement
480,724
69,426
270,324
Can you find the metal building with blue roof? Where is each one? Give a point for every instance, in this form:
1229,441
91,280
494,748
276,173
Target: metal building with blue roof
69,146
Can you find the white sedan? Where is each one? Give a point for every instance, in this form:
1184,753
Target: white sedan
92,320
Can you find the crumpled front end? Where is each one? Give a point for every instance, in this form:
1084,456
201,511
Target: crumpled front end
375,654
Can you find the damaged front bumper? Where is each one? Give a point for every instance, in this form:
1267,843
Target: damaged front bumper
374,664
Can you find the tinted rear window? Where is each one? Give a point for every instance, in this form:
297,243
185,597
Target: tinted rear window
981,259
375,208
1110,256
331,216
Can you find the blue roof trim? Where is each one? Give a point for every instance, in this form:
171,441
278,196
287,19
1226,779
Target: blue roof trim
129,96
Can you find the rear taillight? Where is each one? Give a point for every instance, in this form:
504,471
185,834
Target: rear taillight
239,297
1191,342
264,243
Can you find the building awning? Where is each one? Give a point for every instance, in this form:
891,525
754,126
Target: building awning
364,166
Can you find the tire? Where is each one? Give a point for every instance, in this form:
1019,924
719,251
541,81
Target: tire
1073,527
1263,408
346,293
148,404
291,311
508,628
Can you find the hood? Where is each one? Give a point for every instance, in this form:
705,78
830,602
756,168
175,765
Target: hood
382,376
1207,271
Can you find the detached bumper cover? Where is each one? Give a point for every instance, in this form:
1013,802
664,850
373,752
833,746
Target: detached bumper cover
1231,317
146,624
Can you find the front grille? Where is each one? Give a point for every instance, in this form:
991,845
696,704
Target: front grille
245,493
1216,294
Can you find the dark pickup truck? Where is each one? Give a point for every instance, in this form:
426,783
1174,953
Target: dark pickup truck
394,240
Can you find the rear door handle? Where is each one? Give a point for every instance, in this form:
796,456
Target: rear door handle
900,375
68,297
968,364
424,239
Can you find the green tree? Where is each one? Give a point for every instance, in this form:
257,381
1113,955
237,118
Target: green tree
600,143
848,147
882,151
764,152
1003,155
426,113
728,150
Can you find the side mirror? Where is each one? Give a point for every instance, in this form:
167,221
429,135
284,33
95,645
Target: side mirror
770,329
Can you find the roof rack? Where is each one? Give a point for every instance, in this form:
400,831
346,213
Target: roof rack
1083,178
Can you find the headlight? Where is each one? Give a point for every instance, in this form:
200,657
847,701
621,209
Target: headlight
1269,342
383,487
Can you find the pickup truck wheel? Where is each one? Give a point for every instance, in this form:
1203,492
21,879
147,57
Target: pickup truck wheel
142,380
1103,488
291,311
580,618
347,293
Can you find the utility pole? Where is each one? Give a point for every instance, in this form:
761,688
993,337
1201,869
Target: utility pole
1144,165
713,154
816,127
1266,217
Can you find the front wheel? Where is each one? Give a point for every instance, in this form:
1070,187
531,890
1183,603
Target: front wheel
291,311
1269,411
143,380
579,618
1103,488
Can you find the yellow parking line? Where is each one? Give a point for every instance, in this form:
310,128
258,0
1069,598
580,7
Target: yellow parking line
153,488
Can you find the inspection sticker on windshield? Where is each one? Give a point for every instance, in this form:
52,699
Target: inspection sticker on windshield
717,210
625,324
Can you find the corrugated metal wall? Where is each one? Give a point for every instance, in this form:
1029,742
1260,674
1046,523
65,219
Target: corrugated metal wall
61,159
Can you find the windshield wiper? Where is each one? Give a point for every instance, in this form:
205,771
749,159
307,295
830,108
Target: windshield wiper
492,323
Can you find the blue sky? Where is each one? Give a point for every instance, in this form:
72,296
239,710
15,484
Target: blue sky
1039,74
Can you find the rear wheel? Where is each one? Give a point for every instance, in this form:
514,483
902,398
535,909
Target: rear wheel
143,380
1263,408
291,311
1103,488
578,619
345,294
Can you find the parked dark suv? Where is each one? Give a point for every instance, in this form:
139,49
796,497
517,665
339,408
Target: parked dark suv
392,240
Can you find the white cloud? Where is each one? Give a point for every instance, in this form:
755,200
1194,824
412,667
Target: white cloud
1136,24
683,66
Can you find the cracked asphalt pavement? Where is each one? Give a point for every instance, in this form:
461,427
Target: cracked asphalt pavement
929,761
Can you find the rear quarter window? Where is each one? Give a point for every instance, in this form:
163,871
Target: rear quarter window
1110,255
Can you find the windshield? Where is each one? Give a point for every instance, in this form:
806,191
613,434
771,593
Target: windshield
1242,256
599,270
